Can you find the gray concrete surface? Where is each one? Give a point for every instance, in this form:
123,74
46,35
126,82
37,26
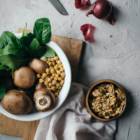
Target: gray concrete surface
114,54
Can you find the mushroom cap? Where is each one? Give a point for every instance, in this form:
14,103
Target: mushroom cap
16,102
39,86
38,65
44,99
24,78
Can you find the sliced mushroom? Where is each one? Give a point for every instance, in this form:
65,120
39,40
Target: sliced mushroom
44,99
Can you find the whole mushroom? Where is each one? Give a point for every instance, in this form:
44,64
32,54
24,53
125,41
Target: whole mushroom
24,78
44,99
38,66
16,102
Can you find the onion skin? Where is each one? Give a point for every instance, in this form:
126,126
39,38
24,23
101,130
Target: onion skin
87,30
101,9
82,3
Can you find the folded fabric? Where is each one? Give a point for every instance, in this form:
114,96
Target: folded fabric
72,121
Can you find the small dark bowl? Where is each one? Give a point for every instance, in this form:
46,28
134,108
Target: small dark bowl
87,99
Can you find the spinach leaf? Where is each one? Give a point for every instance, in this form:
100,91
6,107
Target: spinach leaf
25,32
2,43
2,67
14,50
12,61
25,41
9,37
35,49
2,88
42,30
49,52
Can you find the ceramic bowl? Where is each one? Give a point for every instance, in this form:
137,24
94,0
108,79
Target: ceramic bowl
88,97
34,114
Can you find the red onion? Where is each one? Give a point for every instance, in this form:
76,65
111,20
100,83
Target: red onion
87,30
101,9
82,3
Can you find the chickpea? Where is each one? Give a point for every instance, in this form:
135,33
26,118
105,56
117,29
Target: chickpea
60,66
56,67
41,80
52,71
52,59
49,79
44,75
53,88
49,59
63,74
57,75
50,64
50,84
56,58
62,69
45,59
58,62
57,85
46,83
59,78
62,82
55,78
48,71
53,74
56,94
54,82
52,77
53,63
58,72
38,76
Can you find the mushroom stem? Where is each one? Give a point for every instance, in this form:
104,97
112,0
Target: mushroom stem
42,101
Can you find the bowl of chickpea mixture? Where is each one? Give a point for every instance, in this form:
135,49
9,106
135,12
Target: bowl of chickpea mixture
106,100
56,80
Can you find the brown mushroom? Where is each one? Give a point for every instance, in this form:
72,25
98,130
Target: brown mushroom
16,102
44,99
38,66
24,78
39,86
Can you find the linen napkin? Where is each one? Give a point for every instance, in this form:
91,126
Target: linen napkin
72,121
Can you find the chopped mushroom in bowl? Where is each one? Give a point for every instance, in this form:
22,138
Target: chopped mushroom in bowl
46,96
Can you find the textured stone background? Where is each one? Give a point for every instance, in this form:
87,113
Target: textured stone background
114,54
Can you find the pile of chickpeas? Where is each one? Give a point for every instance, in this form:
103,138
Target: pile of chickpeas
53,79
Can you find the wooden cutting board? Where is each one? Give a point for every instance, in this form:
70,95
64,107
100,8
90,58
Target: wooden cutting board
27,130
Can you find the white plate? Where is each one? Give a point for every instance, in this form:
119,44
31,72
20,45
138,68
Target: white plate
34,114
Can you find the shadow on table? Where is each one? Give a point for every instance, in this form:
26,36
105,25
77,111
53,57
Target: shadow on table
129,108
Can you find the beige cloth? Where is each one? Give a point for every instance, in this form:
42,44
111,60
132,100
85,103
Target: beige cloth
72,121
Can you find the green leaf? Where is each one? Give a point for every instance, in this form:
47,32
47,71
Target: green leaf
25,32
12,61
49,52
35,49
2,88
42,30
2,67
2,43
14,50
25,41
9,37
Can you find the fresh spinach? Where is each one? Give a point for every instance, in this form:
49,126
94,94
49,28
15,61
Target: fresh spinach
9,38
25,32
42,30
2,89
2,67
49,52
36,50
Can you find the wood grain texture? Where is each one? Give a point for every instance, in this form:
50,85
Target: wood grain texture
27,130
